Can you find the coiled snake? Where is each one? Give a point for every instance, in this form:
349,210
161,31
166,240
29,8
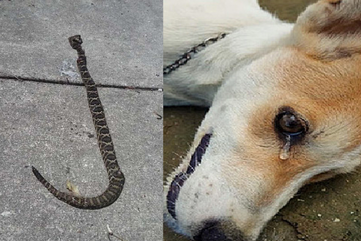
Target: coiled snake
115,175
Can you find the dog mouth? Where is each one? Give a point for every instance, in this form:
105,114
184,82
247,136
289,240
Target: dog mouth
180,178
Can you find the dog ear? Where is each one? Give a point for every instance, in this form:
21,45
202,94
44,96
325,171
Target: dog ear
329,29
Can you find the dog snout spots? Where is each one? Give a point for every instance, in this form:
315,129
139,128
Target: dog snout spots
224,108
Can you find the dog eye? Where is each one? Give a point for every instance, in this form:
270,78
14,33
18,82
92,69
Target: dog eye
290,124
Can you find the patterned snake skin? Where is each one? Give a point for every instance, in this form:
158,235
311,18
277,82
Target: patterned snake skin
116,177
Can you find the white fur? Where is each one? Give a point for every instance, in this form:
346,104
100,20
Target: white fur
192,23
239,76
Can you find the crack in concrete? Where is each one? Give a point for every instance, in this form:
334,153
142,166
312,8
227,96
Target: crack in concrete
65,82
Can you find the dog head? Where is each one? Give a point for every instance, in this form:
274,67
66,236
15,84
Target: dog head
287,119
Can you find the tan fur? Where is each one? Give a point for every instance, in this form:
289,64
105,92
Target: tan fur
315,69
333,97
329,29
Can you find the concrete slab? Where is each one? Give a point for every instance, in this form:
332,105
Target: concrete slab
122,39
49,126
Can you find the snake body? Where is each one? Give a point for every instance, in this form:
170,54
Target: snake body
115,175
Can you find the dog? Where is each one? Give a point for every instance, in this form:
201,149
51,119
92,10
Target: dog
285,109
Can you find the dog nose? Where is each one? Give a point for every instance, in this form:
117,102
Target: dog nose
216,231
219,231
211,233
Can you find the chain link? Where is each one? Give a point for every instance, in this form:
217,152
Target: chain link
190,53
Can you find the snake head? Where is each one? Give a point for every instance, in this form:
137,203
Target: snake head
75,41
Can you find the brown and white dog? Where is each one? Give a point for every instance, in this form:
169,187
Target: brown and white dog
285,109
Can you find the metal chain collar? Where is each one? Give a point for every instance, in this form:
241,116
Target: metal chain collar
190,53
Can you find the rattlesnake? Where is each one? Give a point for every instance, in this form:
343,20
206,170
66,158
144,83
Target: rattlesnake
115,175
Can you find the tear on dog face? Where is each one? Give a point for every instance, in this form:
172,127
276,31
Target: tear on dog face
289,118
